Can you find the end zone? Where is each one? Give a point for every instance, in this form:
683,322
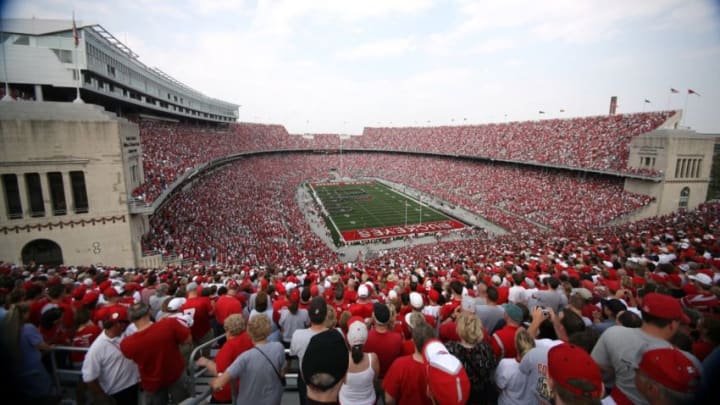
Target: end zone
397,231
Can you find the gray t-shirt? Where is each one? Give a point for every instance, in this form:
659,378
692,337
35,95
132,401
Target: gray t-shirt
547,299
290,322
300,341
489,315
621,349
534,366
259,383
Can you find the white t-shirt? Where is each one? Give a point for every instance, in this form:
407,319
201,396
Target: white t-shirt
511,382
516,295
105,362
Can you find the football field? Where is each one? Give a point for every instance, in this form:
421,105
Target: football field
371,210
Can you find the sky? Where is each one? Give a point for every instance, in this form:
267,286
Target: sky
335,66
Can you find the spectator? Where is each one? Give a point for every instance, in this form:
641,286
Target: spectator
503,341
455,291
156,300
491,315
533,365
629,319
508,378
84,336
293,318
155,348
24,341
667,376
703,299
301,338
551,298
110,376
325,366
448,382
263,308
619,346
363,368
574,376
201,309
611,308
477,358
383,341
261,369
237,343
406,381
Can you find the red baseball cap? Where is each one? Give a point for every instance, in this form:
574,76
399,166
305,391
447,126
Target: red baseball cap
664,306
569,363
90,297
294,295
110,292
447,379
116,314
670,368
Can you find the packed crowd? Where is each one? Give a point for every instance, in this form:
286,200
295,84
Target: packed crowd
599,143
263,221
624,314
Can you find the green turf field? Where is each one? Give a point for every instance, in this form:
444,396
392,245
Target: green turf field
353,206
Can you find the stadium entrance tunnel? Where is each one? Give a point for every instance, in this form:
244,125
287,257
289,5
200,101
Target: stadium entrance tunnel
42,251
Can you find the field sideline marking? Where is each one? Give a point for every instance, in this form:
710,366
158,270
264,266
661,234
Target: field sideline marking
319,200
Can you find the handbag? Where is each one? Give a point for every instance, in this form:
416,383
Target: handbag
282,378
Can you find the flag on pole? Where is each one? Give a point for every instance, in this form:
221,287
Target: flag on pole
647,101
673,90
691,91
76,37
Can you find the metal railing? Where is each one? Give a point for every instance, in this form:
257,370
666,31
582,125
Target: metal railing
194,372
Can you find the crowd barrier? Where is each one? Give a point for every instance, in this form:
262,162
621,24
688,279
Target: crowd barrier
199,379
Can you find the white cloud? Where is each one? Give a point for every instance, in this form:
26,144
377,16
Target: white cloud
378,49
493,45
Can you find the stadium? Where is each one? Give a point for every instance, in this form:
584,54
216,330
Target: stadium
147,178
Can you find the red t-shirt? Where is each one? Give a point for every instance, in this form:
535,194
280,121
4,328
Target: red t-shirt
503,294
84,337
339,308
387,346
68,319
278,305
200,308
408,347
229,352
155,351
448,332
406,382
226,306
55,335
362,310
36,309
447,309
507,337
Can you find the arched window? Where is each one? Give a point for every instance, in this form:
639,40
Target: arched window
684,197
42,251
